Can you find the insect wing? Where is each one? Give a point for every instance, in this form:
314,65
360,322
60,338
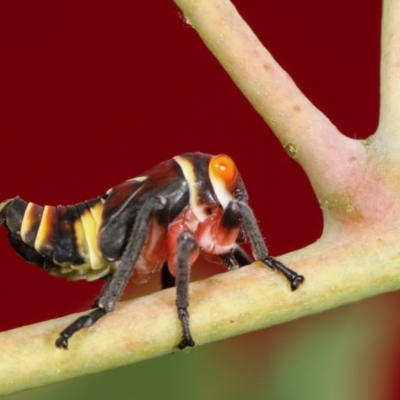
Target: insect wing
125,200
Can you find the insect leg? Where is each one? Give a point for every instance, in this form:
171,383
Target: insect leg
115,286
84,321
235,258
260,250
187,244
242,257
167,279
229,260
107,280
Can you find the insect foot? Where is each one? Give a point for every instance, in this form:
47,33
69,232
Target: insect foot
187,339
293,277
84,321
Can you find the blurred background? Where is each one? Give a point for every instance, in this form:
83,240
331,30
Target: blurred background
97,92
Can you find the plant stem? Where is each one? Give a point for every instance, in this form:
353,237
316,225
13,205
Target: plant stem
390,69
357,183
222,306
306,133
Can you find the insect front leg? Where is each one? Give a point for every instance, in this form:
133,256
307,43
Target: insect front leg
187,247
242,257
237,211
235,259
115,285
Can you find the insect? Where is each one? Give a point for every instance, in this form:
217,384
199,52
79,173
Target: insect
193,204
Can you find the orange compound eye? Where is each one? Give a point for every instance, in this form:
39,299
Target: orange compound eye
224,167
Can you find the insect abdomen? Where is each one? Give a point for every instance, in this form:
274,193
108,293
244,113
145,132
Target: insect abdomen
61,239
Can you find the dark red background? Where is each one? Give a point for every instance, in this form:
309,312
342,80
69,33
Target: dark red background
96,92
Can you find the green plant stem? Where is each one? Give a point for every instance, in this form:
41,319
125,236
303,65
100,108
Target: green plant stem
390,68
222,306
358,255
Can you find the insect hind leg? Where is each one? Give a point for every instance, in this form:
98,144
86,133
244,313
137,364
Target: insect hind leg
82,322
115,285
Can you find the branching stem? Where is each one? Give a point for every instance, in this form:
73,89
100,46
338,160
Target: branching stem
358,255
390,69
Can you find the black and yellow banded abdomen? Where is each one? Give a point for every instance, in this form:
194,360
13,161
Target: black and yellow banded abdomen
61,239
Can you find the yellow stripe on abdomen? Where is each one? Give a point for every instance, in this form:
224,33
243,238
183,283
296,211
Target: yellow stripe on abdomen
47,232
31,223
90,230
